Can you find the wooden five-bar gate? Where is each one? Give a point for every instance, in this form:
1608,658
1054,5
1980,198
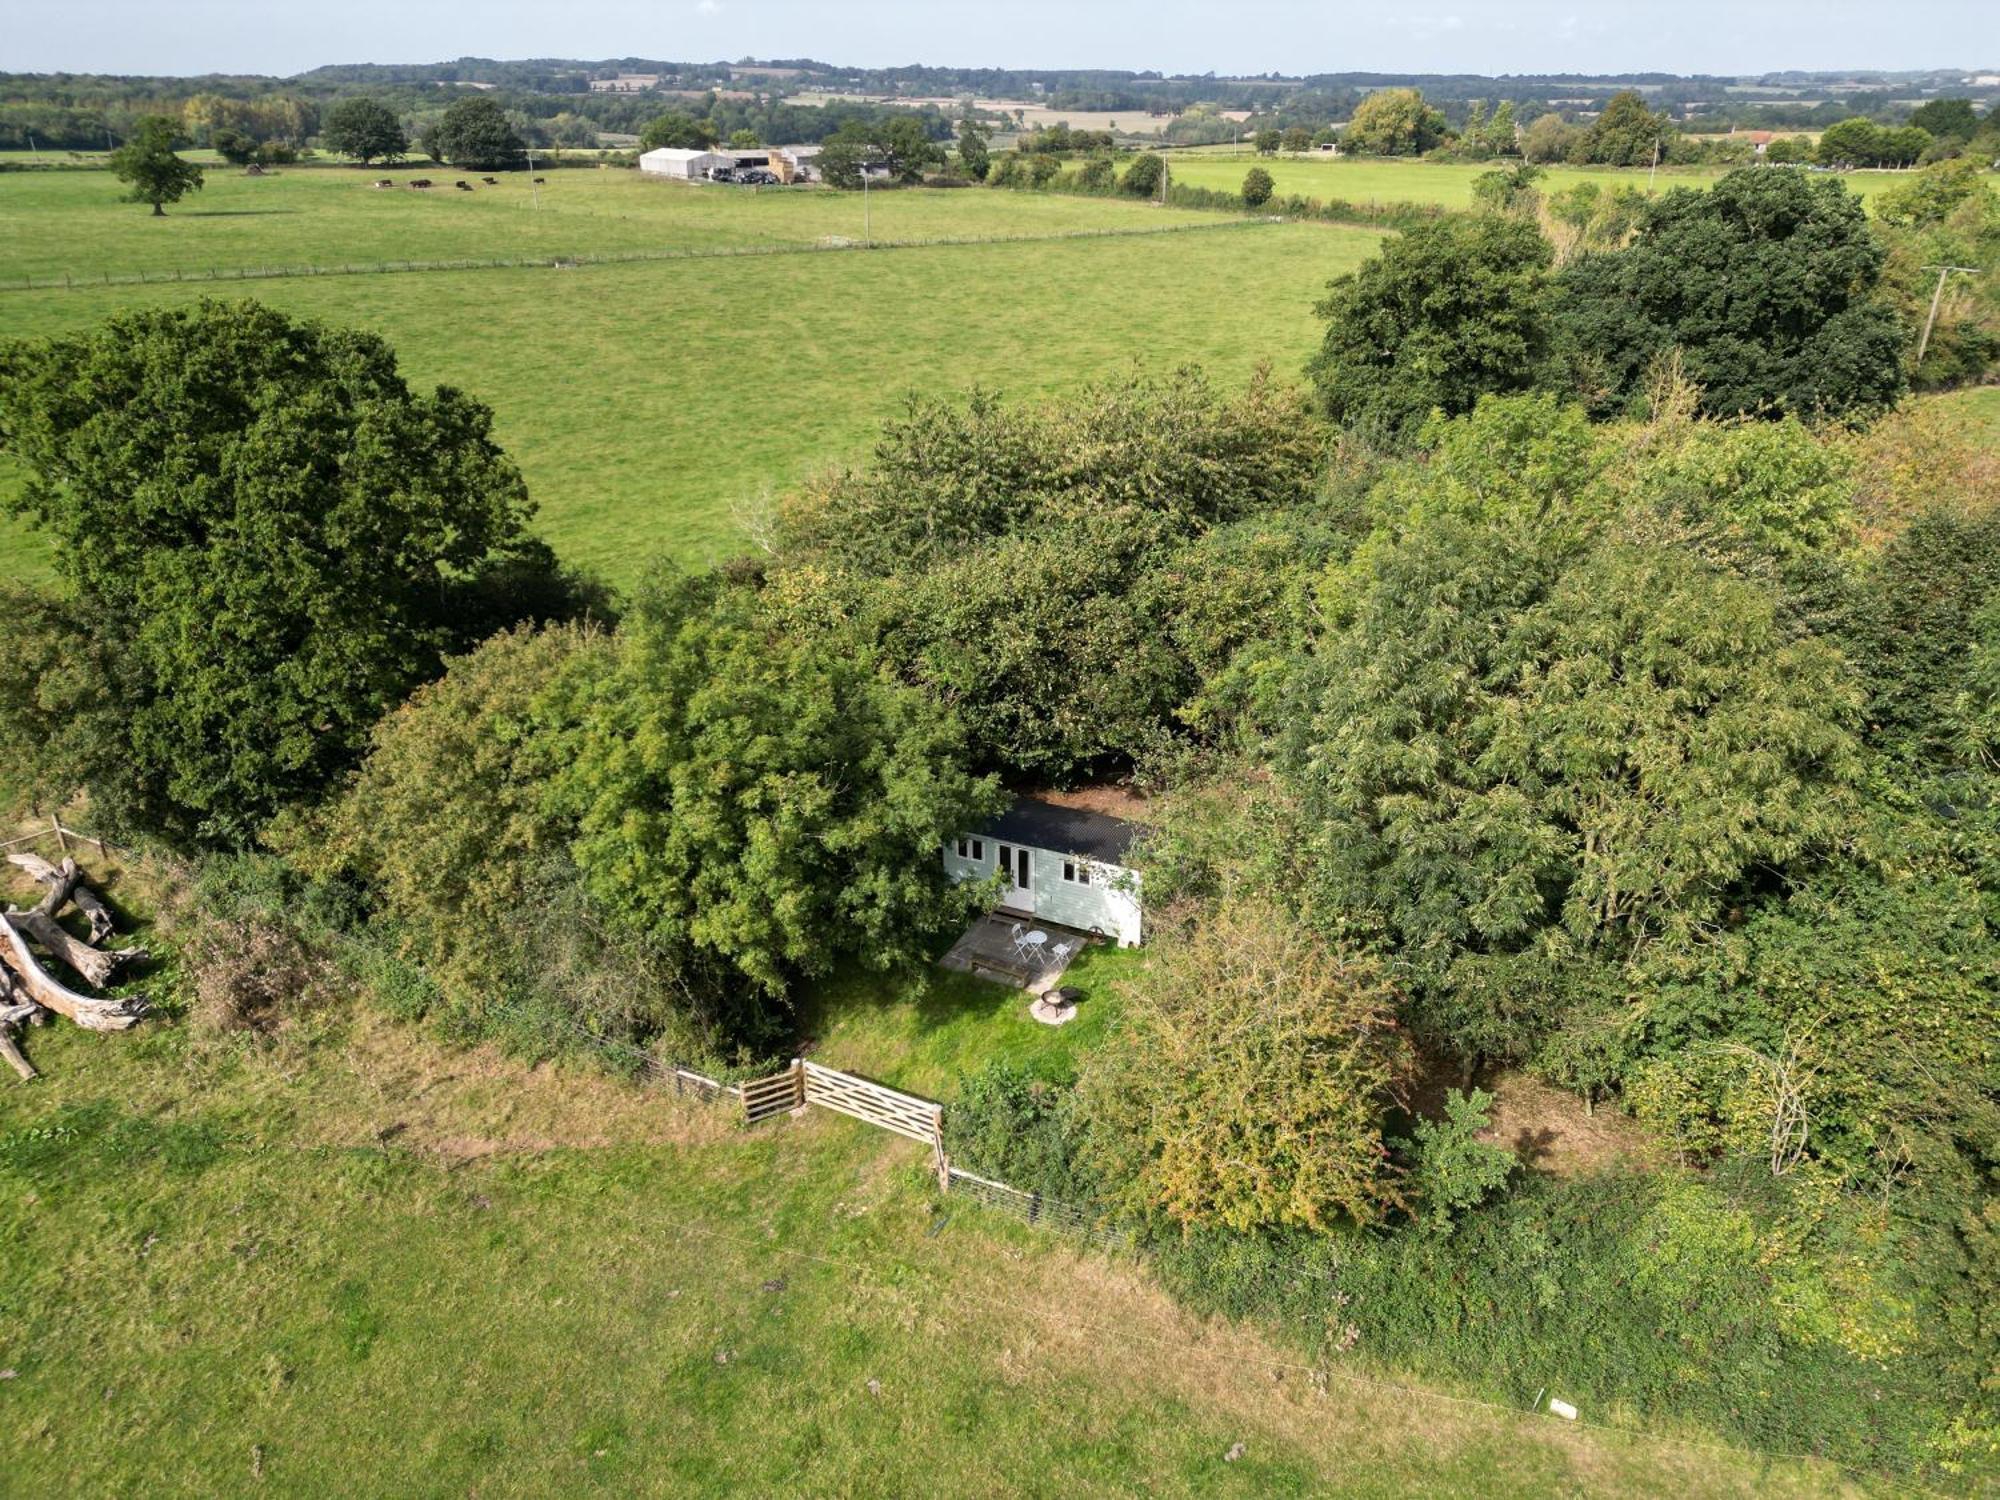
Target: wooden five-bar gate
806,1083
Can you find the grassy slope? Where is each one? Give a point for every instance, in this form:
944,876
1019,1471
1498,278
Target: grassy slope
376,1266
1979,408
643,400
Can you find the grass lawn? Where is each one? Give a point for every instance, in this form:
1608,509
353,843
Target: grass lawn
644,401
76,223
923,1036
1374,180
355,1261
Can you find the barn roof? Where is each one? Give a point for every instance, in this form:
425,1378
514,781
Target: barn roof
1064,830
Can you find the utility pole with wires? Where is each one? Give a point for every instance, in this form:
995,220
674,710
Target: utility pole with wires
867,234
1937,297
1654,171
534,188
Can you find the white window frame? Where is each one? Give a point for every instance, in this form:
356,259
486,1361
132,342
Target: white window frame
973,850
1076,872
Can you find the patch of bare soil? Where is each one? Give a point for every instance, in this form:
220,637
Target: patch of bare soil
1549,1129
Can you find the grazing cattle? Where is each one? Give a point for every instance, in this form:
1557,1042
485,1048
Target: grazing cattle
541,179
490,181
382,182
462,185
420,182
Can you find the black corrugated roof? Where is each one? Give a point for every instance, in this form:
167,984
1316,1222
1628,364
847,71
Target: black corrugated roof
1064,830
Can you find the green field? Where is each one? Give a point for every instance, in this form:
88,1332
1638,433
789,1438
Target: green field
1377,181
76,223
648,402
351,1260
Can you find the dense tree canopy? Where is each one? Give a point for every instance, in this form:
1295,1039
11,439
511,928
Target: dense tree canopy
899,147
677,128
1447,312
761,800
1947,119
975,159
1020,562
1393,122
1860,142
364,129
475,134
1542,737
279,537
1766,283
1625,133
147,161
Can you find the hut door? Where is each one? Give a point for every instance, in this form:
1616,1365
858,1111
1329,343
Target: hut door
1020,893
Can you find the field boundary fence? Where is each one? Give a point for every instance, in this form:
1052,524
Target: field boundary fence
216,275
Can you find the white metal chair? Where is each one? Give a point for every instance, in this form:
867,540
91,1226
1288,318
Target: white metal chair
1018,935
1059,955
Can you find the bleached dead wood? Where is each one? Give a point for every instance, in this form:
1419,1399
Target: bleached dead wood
11,1050
89,1012
60,879
65,883
95,965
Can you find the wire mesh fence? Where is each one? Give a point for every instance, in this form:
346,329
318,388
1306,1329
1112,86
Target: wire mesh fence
1046,1213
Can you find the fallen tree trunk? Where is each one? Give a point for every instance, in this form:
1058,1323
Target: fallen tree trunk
11,1050
89,1012
16,1010
65,883
95,965
99,915
60,879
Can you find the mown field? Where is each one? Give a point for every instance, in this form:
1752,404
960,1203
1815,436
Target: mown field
648,402
355,1260
1364,180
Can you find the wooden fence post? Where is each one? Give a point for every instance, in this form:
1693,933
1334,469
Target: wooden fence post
62,842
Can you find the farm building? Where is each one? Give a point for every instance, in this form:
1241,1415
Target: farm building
786,163
680,162
1062,865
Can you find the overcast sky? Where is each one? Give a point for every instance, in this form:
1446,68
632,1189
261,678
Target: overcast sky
1175,36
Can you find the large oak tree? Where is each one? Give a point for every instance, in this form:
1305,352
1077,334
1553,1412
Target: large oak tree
272,535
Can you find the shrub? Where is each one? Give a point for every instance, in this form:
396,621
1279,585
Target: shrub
1142,178
1022,1129
1257,187
1244,1082
1455,1170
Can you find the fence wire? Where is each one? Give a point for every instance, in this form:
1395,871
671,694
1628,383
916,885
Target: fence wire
1046,1213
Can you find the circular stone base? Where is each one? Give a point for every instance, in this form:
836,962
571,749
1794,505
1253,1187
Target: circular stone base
1051,1014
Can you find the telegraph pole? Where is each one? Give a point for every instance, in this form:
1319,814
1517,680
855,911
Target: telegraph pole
867,234
1937,297
533,191
1655,170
